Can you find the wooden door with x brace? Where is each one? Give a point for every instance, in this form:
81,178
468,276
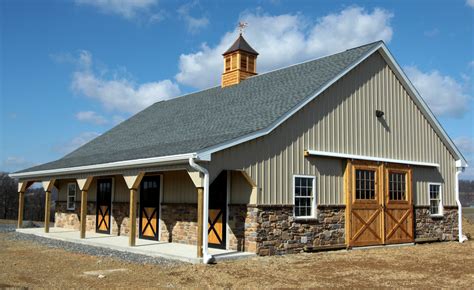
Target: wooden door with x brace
149,207
379,206
104,205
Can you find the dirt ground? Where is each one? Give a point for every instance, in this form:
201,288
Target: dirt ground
438,265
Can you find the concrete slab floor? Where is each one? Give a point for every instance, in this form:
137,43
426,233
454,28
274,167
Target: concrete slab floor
174,251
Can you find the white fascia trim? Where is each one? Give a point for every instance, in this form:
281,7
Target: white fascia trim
393,64
369,158
419,100
291,112
113,165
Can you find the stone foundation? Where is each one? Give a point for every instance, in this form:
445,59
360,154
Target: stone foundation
278,232
444,228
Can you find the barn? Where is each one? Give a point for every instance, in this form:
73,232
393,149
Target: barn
336,152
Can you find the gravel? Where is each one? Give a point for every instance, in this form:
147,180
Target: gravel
85,249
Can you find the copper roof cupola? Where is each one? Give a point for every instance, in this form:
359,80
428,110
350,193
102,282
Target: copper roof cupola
240,62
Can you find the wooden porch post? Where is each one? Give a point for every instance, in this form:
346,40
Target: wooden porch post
200,199
133,217
21,205
22,187
47,186
84,184
199,183
47,209
133,183
83,213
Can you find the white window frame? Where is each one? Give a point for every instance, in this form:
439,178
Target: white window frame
313,204
440,206
73,207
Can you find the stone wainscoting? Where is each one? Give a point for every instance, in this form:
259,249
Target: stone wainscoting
444,228
70,219
179,223
278,232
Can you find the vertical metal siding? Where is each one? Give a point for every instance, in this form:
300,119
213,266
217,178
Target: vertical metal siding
178,187
342,119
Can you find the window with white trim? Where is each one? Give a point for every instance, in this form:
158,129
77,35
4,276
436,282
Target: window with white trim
304,196
436,205
71,196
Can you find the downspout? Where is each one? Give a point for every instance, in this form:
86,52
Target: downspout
462,237
207,258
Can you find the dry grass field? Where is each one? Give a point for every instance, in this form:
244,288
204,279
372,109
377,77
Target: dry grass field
437,265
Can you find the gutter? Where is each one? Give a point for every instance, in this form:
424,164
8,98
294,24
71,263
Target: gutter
113,165
207,258
459,168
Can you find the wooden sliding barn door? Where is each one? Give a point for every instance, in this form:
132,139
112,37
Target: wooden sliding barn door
379,204
365,205
398,205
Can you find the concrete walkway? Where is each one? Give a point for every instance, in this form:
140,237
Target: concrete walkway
174,251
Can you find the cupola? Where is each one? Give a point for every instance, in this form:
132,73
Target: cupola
240,62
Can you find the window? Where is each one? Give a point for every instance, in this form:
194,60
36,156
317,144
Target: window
436,206
397,186
304,194
365,184
71,196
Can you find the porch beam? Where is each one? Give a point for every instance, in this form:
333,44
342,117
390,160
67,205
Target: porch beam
133,183
48,187
84,184
22,188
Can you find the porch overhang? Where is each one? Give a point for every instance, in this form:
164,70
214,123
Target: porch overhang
126,164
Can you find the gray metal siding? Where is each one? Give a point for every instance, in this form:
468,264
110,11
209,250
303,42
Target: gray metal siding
343,120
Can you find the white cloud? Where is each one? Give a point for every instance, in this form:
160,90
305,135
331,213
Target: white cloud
91,117
75,142
194,24
471,63
444,95
470,3
126,8
119,93
286,39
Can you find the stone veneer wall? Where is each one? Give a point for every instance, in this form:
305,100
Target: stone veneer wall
242,235
443,228
278,232
65,218
179,223
69,219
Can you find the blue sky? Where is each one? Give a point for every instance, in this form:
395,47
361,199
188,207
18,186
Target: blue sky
71,70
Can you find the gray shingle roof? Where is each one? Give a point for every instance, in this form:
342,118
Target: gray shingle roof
241,44
199,120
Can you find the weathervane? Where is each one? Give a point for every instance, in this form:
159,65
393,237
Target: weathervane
242,26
